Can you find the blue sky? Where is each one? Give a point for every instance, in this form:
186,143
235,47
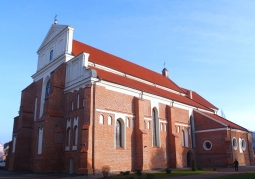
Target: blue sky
208,46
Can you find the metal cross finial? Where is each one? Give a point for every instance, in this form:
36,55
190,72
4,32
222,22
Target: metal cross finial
55,19
164,64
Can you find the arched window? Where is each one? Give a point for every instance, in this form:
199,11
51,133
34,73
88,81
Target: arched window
35,110
47,90
109,120
118,134
51,55
14,143
155,128
183,138
101,119
40,140
186,137
75,135
78,101
192,129
68,135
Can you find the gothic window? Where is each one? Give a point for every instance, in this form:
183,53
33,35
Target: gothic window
68,135
101,119
109,120
75,135
40,140
51,55
183,138
47,90
155,128
35,110
191,132
14,143
78,101
186,137
118,134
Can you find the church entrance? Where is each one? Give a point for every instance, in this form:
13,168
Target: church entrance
189,158
71,166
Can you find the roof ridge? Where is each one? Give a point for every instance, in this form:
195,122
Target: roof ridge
229,121
129,64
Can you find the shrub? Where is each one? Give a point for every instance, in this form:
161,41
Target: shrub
194,167
126,173
138,172
149,176
214,169
168,171
105,171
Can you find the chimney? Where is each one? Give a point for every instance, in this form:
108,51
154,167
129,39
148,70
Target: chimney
165,72
190,94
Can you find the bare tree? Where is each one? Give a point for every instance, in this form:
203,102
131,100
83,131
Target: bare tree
222,114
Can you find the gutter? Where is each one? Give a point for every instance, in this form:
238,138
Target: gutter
93,128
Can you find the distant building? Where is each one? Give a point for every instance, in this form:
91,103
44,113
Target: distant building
1,150
253,141
87,108
5,150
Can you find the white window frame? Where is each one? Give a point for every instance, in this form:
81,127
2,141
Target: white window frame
109,120
204,145
101,119
234,146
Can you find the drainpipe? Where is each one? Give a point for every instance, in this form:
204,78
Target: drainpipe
248,147
94,132
231,144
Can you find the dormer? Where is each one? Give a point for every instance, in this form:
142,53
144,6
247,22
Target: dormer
57,42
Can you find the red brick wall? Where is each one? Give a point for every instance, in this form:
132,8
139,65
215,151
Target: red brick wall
203,123
220,152
178,153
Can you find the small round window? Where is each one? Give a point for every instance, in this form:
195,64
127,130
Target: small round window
207,145
243,144
234,143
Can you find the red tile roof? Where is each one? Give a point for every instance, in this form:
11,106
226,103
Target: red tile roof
111,77
224,121
196,97
119,64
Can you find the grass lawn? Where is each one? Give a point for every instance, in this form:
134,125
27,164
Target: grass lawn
174,173
248,175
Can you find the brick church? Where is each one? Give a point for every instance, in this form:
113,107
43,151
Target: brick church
87,108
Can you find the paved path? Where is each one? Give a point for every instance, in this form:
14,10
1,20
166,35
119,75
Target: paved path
220,172
21,175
